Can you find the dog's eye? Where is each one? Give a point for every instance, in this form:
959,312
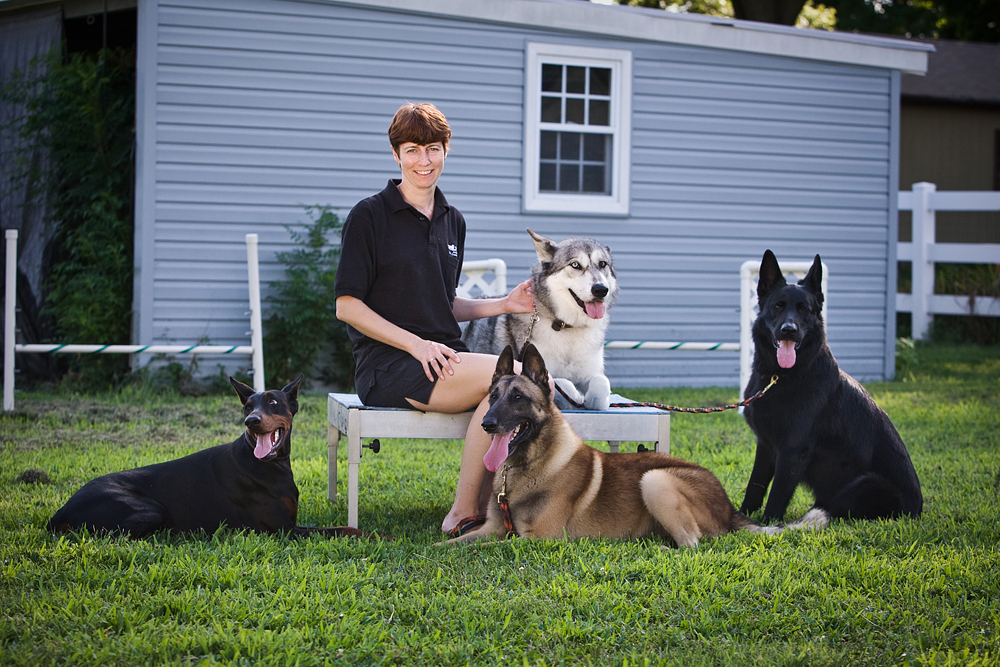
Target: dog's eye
274,401
576,265
602,264
779,306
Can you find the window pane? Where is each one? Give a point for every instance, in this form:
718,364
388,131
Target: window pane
547,176
600,81
600,112
570,148
576,79
594,147
547,145
574,111
569,178
551,109
552,78
593,179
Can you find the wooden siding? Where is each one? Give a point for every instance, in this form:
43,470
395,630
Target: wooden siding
263,107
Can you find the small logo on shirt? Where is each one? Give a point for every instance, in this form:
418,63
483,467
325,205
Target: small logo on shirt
453,250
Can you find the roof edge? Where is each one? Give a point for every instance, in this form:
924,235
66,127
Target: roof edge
654,25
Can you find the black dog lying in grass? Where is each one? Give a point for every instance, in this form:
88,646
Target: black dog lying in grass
817,425
246,484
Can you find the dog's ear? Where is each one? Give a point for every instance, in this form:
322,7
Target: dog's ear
291,390
505,364
545,248
244,391
813,282
533,367
770,275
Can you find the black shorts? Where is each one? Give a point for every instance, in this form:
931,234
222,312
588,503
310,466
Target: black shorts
402,379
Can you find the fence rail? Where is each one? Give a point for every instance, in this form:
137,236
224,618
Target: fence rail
923,252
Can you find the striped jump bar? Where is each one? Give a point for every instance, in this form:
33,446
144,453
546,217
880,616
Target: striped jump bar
134,349
665,345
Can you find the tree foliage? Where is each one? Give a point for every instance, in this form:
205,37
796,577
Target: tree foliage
970,20
83,112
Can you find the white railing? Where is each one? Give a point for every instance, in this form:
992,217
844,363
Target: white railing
255,350
924,200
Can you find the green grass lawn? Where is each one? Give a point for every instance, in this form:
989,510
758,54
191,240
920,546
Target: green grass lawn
924,591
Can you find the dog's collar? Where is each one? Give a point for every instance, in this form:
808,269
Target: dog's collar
559,325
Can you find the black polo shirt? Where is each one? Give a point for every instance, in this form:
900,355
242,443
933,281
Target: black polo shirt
405,268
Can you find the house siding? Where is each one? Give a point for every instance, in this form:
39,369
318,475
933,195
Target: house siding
264,107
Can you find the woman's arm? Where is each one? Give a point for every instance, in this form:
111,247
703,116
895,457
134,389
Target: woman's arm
518,301
434,357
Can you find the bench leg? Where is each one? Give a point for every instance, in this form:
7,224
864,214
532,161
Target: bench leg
332,441
353,463
663,428
613,446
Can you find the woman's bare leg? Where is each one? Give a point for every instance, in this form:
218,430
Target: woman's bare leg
466,389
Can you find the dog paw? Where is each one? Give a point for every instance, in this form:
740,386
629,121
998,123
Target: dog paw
568,397
598,394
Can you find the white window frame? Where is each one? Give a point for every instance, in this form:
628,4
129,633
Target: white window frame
620,127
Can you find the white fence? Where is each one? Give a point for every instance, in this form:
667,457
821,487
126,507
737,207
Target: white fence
924,200
255,349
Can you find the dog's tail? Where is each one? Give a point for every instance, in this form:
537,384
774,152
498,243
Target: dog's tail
814,519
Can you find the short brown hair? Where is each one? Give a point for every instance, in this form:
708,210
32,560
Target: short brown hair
422,124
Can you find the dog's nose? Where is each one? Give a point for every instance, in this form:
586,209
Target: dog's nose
489,424
253,421
599,290
789,329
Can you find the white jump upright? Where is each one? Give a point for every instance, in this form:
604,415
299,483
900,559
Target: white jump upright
256,330
255,350
10,305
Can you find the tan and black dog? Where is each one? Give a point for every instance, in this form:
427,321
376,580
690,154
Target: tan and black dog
245,484
556,486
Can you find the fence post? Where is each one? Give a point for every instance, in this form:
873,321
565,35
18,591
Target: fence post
9,331
256,330
923,266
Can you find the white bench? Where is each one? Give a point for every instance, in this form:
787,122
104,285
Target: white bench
347,416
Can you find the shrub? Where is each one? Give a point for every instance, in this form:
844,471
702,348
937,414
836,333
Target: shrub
303,334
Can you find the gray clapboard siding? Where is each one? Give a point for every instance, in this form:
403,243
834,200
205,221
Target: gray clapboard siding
263,107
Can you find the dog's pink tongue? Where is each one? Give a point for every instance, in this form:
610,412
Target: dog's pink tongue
595,309
497,453
265,443
786,353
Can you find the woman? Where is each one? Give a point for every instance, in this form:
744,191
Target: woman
401,258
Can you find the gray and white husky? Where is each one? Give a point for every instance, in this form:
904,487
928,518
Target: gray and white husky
574,285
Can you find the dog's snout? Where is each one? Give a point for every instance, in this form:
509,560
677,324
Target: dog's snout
599,290
252,421
789,329
489,424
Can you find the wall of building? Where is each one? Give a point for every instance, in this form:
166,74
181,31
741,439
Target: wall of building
253,109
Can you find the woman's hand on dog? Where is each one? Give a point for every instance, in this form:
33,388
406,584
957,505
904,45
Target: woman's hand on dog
520,299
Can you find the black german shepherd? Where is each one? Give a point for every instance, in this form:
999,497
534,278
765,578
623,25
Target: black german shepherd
246,484
817,425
